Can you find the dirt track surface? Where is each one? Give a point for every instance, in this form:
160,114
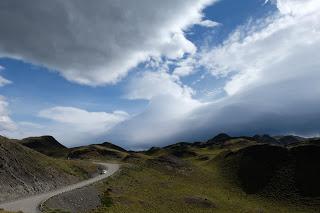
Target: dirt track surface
31,204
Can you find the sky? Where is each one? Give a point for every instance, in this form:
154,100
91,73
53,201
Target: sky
143,73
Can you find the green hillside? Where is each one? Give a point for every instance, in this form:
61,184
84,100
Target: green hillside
224,174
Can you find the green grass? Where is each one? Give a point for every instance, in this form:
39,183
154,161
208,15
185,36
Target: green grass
55,211
203,181
82,169
97,152
3,211
145,186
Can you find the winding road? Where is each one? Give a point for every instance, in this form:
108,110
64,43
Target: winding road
31,204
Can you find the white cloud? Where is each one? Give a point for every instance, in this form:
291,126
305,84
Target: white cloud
170,101
186,66
6,124
152,84
71,126
298,7
83,120
159,123
3,81
96,43
208,23
270,50
32,125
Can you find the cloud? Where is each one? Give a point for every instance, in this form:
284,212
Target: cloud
170,101
6,124
31,125
272,71
83,120
208,23
158,124
69,125
96,43
185,66
298,7
3,81
148,85
275,49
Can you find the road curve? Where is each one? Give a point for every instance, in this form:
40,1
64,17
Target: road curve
31,204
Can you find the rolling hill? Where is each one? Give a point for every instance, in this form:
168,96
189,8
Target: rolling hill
24,171
104,151
223,174
47,145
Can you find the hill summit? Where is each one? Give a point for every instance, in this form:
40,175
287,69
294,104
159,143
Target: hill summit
47,145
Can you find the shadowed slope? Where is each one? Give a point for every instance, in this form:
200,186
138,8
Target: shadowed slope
47,145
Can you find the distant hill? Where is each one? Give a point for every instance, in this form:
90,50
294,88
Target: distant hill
113,146
259,164
24,171
290,139
224,174
47,145
266,139
219,139
275,170
105,151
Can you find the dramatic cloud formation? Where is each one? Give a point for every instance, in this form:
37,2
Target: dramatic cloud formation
270,67
274,70
160,123
97,43
272,50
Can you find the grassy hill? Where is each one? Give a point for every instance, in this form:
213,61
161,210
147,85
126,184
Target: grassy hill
224,174
105,151
24,171
47,145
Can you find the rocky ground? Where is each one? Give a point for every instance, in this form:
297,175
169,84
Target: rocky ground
77,201
24,172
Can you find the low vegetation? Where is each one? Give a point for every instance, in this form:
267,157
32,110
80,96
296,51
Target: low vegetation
235,175
224,174
25,172
3,211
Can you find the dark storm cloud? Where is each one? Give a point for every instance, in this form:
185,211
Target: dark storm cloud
95,43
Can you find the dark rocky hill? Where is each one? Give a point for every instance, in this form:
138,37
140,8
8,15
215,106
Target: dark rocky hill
270,170
47,145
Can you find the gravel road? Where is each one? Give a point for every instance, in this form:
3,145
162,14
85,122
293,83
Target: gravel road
31,204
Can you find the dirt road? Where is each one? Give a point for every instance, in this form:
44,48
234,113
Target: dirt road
31,204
